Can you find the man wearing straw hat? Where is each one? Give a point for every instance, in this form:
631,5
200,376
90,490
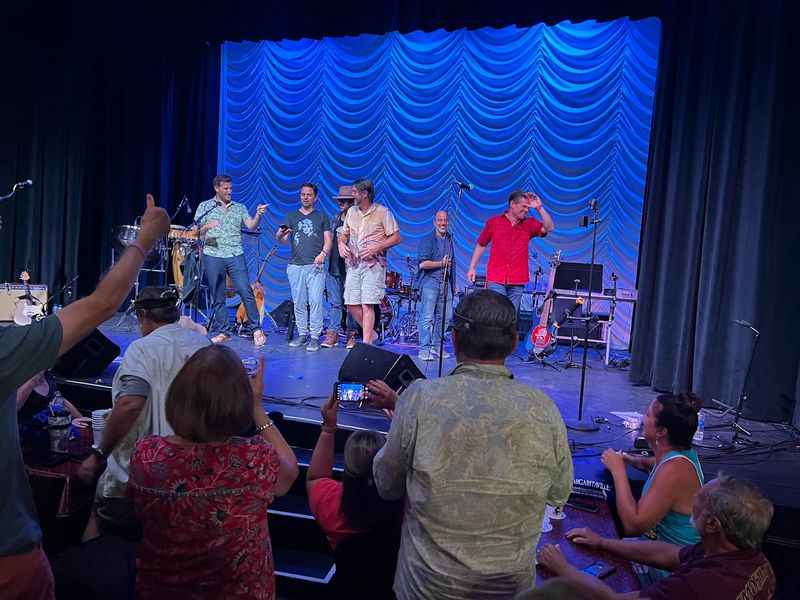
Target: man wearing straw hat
139,393
337,271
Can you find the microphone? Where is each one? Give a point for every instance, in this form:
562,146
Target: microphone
463,185
22,184
188,206
743,323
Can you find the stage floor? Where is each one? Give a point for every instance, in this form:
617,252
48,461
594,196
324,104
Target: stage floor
297,382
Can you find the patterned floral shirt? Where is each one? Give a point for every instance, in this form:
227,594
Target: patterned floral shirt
478,456
224,240
203,508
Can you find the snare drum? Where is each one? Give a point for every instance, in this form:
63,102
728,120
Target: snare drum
393,280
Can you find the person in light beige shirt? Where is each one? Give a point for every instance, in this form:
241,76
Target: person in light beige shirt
477,456
369,230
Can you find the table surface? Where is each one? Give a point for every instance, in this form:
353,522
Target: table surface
623,579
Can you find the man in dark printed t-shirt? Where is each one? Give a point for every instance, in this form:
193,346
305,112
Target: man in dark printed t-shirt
731,516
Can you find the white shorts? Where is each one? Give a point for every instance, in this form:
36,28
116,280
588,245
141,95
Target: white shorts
365,285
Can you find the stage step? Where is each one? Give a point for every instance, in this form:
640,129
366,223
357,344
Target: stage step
303,565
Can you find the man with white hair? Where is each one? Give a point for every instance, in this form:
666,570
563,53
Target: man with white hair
731,516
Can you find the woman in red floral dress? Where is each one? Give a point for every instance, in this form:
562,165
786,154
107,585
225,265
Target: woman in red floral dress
202,494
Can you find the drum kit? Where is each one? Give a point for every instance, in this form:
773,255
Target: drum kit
399,325
179,243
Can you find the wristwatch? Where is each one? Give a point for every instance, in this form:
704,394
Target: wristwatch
98,451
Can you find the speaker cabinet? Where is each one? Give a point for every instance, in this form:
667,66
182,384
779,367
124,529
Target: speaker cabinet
365,362
87,358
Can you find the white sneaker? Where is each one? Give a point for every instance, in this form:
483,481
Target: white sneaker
445,353
425,355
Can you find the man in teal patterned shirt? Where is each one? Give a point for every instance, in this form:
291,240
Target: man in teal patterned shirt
221,221
477,456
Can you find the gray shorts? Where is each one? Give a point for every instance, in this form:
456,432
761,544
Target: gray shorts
365,285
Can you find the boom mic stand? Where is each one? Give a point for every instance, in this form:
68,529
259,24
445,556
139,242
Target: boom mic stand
737,412
580,424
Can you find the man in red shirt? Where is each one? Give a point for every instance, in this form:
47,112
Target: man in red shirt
510,234
731,516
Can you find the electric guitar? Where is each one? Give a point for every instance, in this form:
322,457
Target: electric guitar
25,309
537,340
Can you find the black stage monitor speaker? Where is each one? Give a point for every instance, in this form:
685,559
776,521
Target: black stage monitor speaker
87,358
568,272
365,362
283,313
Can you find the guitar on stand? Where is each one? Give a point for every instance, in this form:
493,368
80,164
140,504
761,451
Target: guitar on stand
538,342
258,292
27,307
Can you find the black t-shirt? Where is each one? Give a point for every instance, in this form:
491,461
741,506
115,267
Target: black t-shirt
307,237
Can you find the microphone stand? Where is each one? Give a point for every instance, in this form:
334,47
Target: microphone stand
199,275
579,424
446,275
737,412
13,191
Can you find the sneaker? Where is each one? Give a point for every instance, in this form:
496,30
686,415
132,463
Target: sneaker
259,338
351,340
331,339
435,352
299,341
425,354
313,345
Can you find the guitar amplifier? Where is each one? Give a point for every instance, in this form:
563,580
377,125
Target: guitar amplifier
9,296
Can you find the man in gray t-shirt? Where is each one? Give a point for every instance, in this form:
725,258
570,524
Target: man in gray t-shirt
309,233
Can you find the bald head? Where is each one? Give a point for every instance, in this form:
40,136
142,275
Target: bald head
440,222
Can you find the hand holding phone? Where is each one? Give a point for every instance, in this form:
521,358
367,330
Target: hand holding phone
350,393
599,570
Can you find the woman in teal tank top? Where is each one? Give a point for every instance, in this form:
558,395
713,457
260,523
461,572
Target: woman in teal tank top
664,510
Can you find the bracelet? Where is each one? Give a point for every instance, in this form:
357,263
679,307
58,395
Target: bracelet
98,451
327,429
265,426
139,248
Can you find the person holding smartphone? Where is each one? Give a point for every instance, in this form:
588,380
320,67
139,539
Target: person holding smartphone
351,509
308,231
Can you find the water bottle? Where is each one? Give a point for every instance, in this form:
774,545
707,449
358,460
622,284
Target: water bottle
701,425
58,421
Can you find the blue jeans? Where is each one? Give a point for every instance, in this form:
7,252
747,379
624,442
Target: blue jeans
216,269
338,315
430,315
307,283
512,292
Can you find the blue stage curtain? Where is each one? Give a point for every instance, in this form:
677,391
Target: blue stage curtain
562,110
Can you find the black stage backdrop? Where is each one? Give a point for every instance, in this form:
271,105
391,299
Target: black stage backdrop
720,237
107,101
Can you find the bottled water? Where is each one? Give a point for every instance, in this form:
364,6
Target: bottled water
701,425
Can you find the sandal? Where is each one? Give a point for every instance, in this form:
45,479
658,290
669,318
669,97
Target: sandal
219,338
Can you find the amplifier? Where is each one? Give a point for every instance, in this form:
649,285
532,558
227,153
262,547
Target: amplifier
9,296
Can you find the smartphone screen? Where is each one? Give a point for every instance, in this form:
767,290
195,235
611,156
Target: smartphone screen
598,569
350,393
